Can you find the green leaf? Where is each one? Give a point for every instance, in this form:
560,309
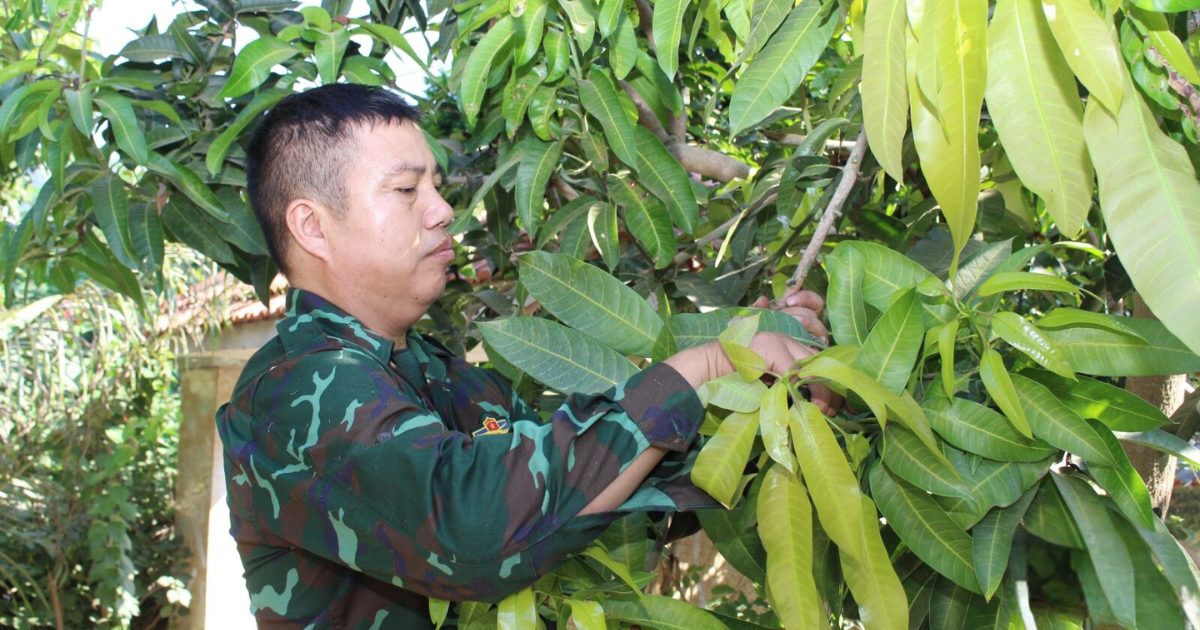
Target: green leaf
1163,442
1048,518
947,334
517,96
191,185
530,27
850,520
1054,422
146,232
884,87
253,65
1024,281
623,48
533,175
741,548
119,112
719,466
949,606
887,272
602,227
1108,552
773,76
664,613
1148,195
1097,604
1026,337
785,526
583,21
80,105
957,31
563,359
1177,567
847,311
667,30
11,107
647,220
1033,101
518,611
662,175
329,50
110,203
913,462
151,48
693,329
766,18
1065,317
598,553
773,425
734,393
992,542
191,226
262,101
1117,408
587,615
991,484
999,386
610,15
109,273
591,301
558,52
1168,6
479,66
599,97
892,346
972,427
242,229
1106,353
925,528
1122,482
393,37
1089,44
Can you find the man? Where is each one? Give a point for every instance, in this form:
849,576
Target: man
368,467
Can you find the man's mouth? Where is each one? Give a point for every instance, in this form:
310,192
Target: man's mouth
444,250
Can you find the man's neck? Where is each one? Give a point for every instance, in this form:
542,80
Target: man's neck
359,305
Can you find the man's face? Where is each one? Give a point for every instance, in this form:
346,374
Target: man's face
391,244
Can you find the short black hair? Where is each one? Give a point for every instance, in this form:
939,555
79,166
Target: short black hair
302,146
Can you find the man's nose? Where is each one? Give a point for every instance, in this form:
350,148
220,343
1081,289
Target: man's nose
440,213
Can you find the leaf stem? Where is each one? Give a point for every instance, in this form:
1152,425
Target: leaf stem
832,212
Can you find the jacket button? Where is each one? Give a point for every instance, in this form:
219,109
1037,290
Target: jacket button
383,437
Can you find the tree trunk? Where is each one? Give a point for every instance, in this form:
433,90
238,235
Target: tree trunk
1165,392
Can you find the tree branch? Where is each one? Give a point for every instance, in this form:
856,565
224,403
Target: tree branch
724,228
707,163
832,212
646,18
646,116
678,122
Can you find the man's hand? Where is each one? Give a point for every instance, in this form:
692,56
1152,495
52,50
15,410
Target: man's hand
707,362
805,306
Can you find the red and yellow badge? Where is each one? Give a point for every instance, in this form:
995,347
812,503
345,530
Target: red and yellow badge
491,426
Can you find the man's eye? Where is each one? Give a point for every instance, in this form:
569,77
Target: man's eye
407,190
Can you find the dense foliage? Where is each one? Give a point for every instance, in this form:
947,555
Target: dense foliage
666,161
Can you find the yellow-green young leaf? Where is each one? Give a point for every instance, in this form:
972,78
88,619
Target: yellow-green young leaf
1122,482
735,341
734,393
479,66
1159,35
668,29
847,313
913,462
992,542
960,38
1089,44
884,87
591,301
719,466
1055,423
946,336
662,175
871,577
1149,195
253,65
659,611
1104,544
598,95
1033,101
785,527
773,424
599,553
623,48
537,165
438,609
647,219
925,528
1026,337
972,427
1024,281
587,615
560,357
773,76
1000,388
111,206
330,48
220,146
119,112
1117,408
518,611
892,346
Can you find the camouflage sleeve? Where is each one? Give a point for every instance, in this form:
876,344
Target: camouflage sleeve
342,465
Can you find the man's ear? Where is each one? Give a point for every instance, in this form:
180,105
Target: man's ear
307,221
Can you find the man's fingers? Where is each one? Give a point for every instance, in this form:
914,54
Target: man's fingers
811,322
761,302
824,399
806,299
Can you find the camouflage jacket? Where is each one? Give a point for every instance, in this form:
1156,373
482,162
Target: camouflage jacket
363,478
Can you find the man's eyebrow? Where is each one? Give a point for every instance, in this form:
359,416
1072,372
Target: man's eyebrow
403,168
